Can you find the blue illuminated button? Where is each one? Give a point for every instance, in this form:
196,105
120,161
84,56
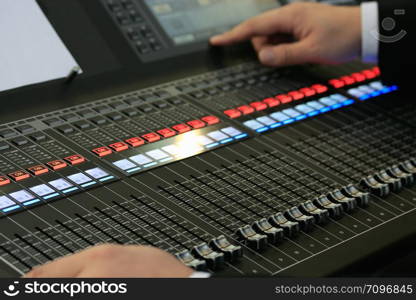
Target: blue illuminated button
218,136
266,120
304,109
279,116
98,173
141,159
231,131
253,124
24,197
157,154
339,98
42,190
204,140
315,105
124,164
356,93
366,89
377,85
62,185
79,178
172,150
7,205
291,113
327,101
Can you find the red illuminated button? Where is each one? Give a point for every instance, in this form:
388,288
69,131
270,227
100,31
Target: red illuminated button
336,83
376,70
38,170
211,120
151,137
258,105
102,151
19,175
319,88
181,128
75,159
118,147
57,164
296,95
284,98
4,180
308,92
369,74
233,113
348,80
358,77
167,132
196,124
246,109
271,102
135,142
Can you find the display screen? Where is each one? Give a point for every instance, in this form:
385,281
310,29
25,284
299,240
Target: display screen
188,21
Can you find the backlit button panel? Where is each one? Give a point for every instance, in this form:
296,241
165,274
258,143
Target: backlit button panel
178,147
371,90
279,118
22,194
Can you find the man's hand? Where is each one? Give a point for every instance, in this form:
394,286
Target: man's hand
301,33
111,261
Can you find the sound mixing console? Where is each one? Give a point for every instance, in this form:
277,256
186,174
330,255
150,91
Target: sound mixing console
242,171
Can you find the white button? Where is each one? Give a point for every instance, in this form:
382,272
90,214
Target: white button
42,190
124,164
60,184
266,120
97,173
218,135
253,124
79,178
204,140
157,154
141,159
172,150
278,116
5,202
21,196
231,131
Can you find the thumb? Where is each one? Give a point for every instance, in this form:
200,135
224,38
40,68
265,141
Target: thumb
284,54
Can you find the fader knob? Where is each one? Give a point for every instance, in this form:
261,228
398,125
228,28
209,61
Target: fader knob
274,235
251,238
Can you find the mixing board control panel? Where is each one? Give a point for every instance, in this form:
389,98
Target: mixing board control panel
241,171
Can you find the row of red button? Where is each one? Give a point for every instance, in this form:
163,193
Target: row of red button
355,77
276,101
156,136
41,169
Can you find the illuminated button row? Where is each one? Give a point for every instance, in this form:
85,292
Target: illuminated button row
41,169
298,113
190,145
355,78
156,136
276,101
371,90
53,189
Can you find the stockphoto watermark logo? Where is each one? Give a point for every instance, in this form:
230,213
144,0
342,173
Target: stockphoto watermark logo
61,288
12,289
389,25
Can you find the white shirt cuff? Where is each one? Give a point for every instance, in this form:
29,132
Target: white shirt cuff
370,28
200,275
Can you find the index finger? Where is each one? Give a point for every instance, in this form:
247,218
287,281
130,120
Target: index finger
271,22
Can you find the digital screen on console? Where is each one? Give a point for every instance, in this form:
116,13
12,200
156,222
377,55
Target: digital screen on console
188,21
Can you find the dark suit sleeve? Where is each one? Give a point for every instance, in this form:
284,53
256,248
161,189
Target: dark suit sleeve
397,52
